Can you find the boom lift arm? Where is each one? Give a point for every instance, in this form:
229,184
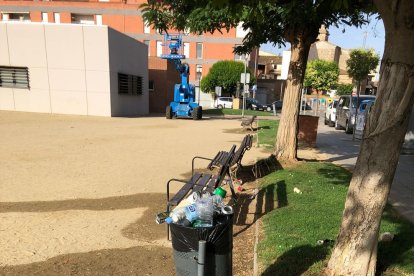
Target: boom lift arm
184,104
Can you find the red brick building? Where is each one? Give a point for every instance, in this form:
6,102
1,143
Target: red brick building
124,16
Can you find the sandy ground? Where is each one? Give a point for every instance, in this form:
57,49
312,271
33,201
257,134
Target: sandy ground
78,193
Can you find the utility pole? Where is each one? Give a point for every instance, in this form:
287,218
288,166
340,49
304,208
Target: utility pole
364,41
244,86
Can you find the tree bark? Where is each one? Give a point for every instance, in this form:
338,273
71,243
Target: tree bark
355,251
286,140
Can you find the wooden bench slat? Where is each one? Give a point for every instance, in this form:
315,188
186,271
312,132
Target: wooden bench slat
212,184
202,183
184,190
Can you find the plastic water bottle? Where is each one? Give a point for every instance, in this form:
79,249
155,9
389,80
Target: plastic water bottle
183,215
192,198
205,209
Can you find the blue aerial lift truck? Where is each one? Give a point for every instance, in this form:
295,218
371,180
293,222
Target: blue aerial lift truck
184,104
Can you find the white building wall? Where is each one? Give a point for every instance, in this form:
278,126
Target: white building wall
69,69
285,65
128,56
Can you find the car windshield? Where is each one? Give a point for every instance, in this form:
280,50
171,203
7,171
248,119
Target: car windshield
354,100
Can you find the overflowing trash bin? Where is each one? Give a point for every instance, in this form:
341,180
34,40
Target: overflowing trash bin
202,234
216,241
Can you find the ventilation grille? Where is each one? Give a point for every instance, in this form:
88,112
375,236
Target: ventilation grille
129,84
14,77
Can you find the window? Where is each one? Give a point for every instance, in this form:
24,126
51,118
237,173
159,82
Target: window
98,19
129,84
147,28
159,48
56,17
14,77
199,71
16,16
187,49
83,19
45,17
151,85
147,42
199,50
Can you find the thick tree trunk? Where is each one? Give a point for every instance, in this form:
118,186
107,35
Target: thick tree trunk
355,251
286,140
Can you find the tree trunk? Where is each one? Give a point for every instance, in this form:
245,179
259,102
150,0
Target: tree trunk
355,251
286,140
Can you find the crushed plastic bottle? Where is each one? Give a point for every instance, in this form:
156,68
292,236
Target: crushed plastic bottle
205,209
183,215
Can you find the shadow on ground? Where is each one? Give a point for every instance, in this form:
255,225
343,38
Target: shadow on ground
398,251
143,229
265,198
297,260
138,260
131,261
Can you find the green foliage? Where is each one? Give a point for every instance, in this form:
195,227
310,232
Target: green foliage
225,74
361,62
321,75
266,132
276,21
344,89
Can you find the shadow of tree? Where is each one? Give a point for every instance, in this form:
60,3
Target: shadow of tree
297,260
337,175
395,252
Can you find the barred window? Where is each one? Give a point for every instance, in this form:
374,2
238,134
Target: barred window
129,84
14,77
151,85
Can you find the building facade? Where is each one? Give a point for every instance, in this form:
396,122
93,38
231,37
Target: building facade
201,51
72,69
325,50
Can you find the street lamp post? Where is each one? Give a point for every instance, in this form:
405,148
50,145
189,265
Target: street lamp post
244,87
245,79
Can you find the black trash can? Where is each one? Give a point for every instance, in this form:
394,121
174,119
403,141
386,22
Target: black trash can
219,247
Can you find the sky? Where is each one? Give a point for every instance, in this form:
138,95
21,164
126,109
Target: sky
352,38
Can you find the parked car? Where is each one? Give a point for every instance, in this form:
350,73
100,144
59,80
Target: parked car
224,102
361,119
346,109
253,104
330,113
276,104
305,106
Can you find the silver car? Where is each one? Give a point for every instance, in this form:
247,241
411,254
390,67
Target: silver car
361,120
346,110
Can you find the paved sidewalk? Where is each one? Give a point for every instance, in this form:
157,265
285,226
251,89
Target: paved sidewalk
338,147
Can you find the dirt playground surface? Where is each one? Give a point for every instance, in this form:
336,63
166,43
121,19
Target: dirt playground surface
78,194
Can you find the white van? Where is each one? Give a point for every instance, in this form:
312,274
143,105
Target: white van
224,102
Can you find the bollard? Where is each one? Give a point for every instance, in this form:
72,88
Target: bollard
201,257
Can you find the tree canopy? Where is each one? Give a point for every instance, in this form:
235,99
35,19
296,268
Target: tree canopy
321,75
361,62
267,21
344,89
226,74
